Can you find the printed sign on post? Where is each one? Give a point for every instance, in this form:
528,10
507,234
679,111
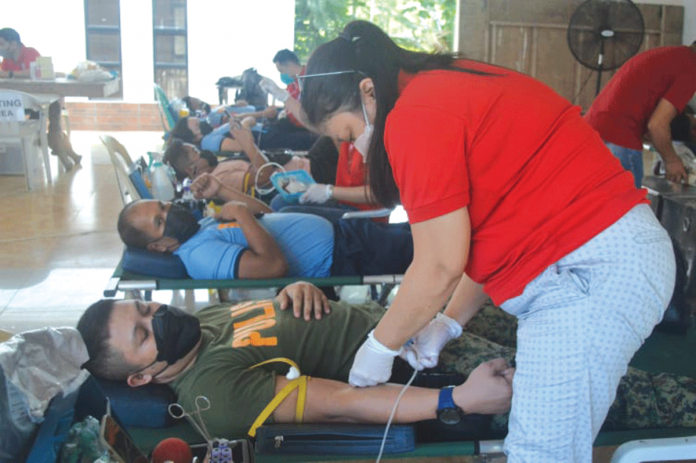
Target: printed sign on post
11,107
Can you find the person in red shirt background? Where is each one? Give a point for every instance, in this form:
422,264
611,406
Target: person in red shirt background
642,99
288,64
510,195
348,192
16,60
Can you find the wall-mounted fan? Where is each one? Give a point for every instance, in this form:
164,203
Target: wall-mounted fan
604,34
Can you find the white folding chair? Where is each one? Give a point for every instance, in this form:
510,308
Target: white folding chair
123,165
32,135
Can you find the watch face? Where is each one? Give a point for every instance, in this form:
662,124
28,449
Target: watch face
449,415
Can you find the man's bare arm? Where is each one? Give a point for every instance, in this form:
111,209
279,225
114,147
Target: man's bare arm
263,258
661,137
487,390
258,159
207,186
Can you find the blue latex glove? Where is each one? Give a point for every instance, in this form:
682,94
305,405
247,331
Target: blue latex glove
372,364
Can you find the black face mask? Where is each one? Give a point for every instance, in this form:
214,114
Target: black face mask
181,224
205,108
176,333
205,128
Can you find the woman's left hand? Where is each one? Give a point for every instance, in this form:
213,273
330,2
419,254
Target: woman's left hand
372,364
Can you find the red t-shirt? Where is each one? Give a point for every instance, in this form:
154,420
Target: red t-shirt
621,111
350,171
294,91
537,180
26,56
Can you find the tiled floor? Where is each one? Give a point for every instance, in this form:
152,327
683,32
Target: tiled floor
58,243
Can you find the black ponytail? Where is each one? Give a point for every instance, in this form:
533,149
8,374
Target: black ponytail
364,50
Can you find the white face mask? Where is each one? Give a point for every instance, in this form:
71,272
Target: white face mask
362,143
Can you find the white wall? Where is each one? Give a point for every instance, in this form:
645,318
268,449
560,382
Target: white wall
136,51
689,35
224,38
239,34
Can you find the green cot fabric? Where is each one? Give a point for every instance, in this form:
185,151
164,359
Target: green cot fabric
236,337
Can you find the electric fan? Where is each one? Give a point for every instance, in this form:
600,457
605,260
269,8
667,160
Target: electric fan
604,34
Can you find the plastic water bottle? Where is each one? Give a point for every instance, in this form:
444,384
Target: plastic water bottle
162,187
186,193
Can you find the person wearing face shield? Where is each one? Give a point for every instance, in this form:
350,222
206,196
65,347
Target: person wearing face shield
510,195
349,192
16,61
288,65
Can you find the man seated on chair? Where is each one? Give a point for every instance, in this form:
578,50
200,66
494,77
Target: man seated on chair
16,61
240,242
214,353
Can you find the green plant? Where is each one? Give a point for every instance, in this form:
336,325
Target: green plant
423,25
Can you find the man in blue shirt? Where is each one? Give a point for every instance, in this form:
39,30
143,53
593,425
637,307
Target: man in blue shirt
240,243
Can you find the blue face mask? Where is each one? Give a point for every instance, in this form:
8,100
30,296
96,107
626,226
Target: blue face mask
286,79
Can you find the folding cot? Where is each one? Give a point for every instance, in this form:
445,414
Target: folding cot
661,352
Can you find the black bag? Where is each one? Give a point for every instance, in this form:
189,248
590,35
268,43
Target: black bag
251,91
228,82
336,439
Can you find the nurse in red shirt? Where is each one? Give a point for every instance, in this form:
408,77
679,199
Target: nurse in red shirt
512,196
16,60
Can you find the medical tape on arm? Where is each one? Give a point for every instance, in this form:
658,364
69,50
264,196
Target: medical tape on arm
299,383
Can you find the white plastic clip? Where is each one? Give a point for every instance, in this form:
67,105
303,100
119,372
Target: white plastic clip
293,373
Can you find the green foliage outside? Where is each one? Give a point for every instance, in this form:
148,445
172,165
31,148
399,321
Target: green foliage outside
425,25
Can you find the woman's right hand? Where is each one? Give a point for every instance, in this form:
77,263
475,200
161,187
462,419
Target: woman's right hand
205,186
487,390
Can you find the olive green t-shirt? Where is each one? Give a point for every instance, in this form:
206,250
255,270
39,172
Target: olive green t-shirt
239,336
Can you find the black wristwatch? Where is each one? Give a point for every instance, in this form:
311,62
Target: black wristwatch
447,410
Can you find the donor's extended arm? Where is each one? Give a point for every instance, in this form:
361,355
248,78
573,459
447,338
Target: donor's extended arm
488,390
